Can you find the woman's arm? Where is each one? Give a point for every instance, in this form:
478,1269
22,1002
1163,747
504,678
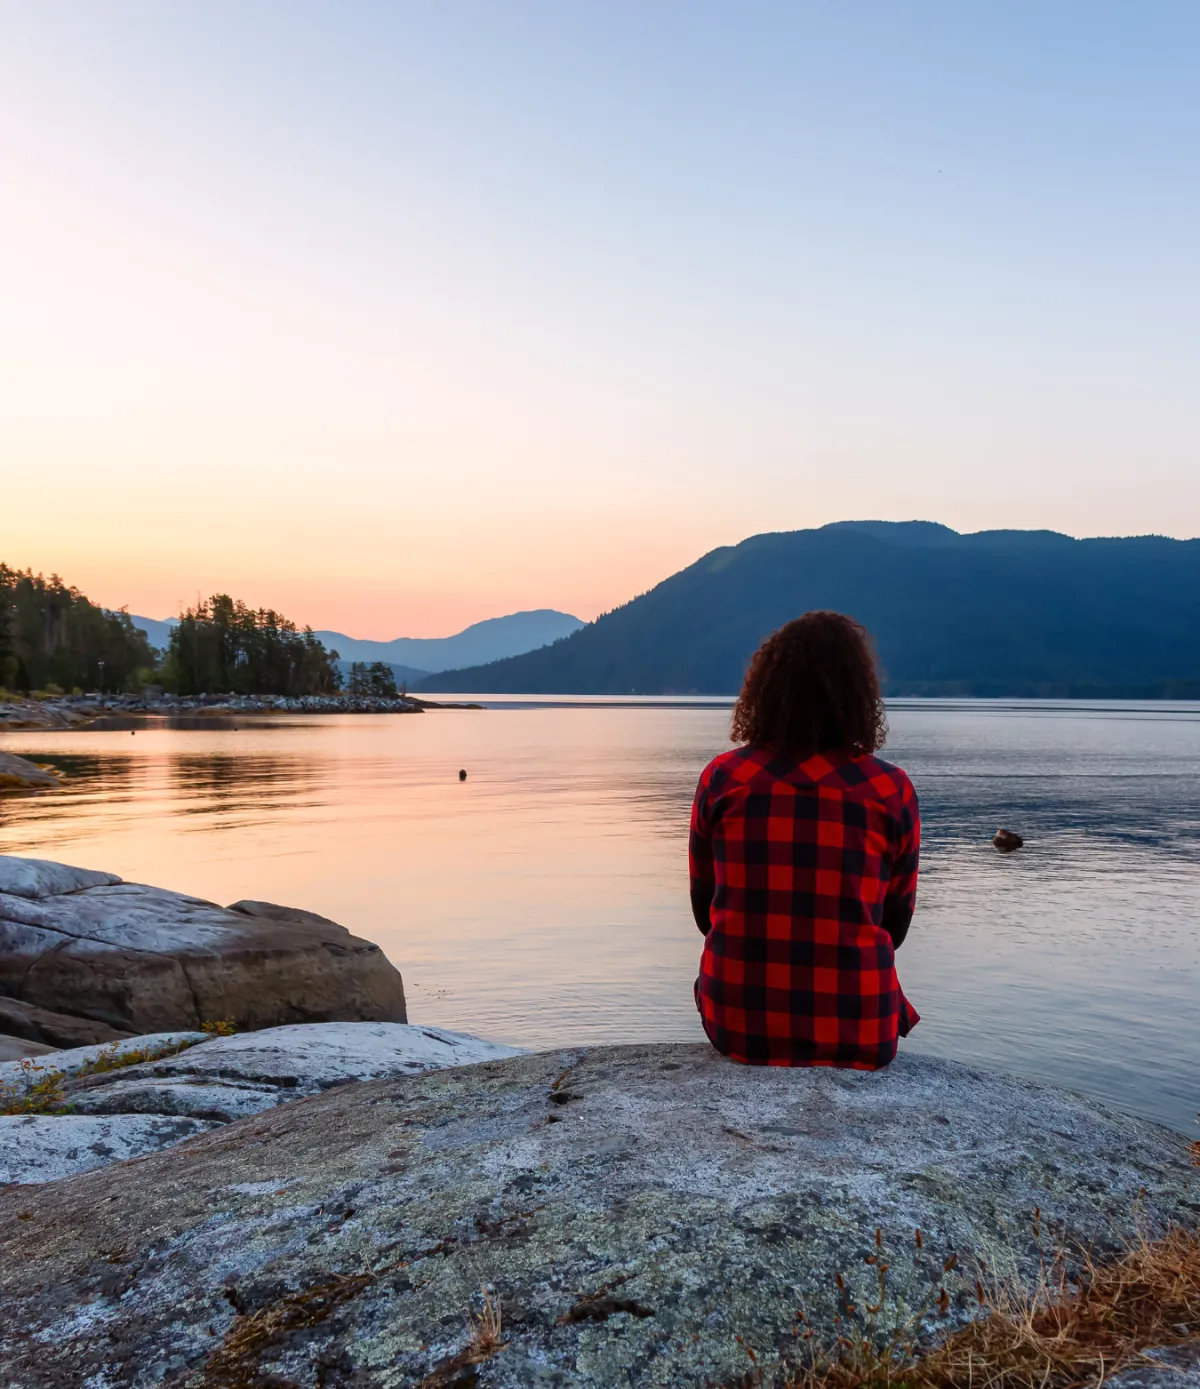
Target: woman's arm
700,859
897,916
901,897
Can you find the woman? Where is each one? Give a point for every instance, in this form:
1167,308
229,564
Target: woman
803,861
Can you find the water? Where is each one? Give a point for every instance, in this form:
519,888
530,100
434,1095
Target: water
544,900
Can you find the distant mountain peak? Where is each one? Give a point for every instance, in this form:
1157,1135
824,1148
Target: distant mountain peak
993,613
492,639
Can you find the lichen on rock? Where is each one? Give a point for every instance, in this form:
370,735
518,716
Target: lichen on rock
686,1201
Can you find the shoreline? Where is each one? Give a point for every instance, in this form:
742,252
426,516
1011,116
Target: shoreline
75,711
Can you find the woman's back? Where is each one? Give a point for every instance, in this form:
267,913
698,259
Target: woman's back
798,860
804,849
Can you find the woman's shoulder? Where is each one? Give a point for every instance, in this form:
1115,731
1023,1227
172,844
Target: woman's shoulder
738,764
885,779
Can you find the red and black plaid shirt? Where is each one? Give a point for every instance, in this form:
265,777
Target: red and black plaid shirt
796,861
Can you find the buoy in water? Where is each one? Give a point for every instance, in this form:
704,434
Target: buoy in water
462,776
1006,841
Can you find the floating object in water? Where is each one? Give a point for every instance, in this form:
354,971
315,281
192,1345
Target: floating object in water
462,776
1006,841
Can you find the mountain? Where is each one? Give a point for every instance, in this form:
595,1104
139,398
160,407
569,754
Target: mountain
158,632
481,642
990,613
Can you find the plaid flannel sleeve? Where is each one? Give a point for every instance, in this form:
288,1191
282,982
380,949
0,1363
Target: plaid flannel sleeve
700,857
902,888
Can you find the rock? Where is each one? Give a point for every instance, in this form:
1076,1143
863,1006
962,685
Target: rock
227,1078
53,1029
16,774
14,1048
230,1077
141,959
1177,1367
38,878
309,1058
35,713
72,1061
272,911
1006,841
634,1210
43,1148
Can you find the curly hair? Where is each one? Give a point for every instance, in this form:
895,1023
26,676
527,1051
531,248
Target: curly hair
812,687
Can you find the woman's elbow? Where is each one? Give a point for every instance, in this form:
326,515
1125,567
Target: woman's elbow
701,898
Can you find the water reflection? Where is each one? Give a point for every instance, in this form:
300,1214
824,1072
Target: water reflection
229,792
544,899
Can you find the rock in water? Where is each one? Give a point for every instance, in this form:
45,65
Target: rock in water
16,774
641,1214
1006,841
141,959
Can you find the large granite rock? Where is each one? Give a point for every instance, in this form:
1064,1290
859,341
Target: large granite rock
17,774
34,713
642,1215
12,1048
214,1081
141,959
52,1029
43,1147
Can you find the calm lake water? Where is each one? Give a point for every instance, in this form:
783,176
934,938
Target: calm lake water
544,900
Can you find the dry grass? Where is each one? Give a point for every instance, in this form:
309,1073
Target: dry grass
487,1328
112,1058
1067,1333
39,1087
486,1338
235,1363
35,1090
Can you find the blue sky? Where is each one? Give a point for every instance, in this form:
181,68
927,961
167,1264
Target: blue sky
397,316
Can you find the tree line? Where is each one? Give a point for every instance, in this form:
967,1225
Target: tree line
222,646
52,638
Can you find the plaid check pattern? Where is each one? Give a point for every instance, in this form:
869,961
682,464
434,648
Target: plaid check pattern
797,861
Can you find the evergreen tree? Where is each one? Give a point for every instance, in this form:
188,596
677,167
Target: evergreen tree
374,681
223,647
51,635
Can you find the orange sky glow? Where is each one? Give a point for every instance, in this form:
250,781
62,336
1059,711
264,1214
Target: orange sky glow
532,306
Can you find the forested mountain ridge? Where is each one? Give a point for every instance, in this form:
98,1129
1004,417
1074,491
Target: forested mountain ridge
990,613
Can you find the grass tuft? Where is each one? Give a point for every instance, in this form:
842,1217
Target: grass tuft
485,1339
35,1090
1070,1331
235,1363
39,1087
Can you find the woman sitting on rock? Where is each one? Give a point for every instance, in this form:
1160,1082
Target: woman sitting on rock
803,861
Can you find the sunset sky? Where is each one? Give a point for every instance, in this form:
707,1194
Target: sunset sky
396,316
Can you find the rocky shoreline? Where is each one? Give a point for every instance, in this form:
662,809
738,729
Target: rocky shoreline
381,1204
72,711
